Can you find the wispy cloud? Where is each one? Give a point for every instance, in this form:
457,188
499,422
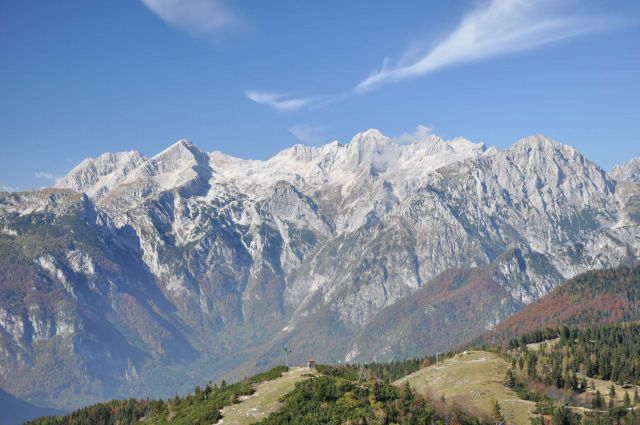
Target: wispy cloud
44,175
422,132
206,18
497,27
309,134
6,188
280,101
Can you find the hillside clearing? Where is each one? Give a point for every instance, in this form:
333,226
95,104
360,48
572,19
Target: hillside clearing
265,400
475,379
603,386
535,346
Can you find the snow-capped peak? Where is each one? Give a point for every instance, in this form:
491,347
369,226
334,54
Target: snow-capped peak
373,135
97,176
368,153
181,147
627,171
333,163
176,166
538,141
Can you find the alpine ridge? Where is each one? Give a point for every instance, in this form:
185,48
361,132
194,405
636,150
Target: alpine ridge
203,263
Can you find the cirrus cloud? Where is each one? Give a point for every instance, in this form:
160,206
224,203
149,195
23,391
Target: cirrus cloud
309,134
205,18
280,101
497,27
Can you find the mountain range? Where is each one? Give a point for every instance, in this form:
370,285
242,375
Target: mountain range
140,275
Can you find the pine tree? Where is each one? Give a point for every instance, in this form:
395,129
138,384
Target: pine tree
497,412
612,392
598,402
510,379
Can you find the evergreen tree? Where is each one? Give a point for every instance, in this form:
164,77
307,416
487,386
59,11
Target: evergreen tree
598,402
563,416
510,379
612,393
497,412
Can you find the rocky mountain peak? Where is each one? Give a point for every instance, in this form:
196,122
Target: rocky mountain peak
372,135
537,141
541,151
308,247
627,171
179,156
182,147
97,176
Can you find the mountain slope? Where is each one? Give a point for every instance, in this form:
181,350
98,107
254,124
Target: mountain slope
78,316
16,411
202,264
595,297
628,171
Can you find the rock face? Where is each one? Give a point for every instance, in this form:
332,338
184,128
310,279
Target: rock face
629,171
142,275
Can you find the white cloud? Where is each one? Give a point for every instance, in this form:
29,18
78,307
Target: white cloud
422,132
6,188
279,101
197,17
497,27
309,134
44,175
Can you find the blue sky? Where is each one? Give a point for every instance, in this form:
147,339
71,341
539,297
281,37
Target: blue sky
252,77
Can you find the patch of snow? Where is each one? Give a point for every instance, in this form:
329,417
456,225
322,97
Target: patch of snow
49,263
81,262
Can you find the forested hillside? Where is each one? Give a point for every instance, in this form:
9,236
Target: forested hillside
608,352
341,396
594,370
595,297
200,407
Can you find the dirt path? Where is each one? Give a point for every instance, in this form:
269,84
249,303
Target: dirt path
265,400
